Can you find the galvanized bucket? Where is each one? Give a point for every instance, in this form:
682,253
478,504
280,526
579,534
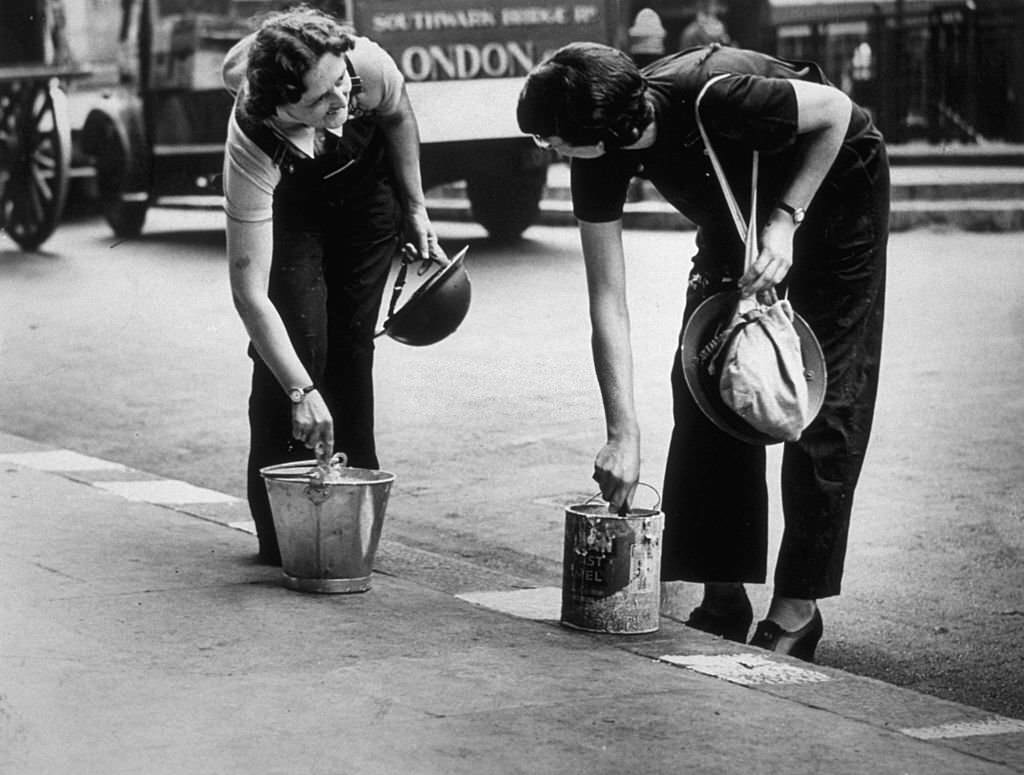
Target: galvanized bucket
328,522
611,569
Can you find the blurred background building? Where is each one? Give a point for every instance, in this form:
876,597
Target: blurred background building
930,70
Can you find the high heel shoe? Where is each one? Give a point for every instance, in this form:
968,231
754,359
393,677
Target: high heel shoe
732,626
798,643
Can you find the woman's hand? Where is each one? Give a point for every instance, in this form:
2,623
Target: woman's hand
423,236
313,426
617,471
775,258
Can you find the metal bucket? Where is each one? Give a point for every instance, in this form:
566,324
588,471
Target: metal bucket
328,525
611,569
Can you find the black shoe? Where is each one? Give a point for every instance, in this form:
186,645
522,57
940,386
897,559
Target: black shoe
798,643
731,626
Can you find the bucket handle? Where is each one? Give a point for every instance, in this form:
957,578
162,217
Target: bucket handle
651,487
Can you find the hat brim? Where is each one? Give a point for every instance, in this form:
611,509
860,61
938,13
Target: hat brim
707,320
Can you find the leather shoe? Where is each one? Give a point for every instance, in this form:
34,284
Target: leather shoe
731,626
797,643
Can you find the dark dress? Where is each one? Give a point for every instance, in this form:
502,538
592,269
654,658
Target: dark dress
715,493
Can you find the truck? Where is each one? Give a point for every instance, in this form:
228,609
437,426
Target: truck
157,137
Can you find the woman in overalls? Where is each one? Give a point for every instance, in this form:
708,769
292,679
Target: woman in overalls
321,181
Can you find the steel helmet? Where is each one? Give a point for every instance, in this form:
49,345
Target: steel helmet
706,321
436,307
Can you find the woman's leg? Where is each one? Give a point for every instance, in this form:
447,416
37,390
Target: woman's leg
360,256
715,498
843,302
298,291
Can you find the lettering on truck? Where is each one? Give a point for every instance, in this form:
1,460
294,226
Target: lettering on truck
500,42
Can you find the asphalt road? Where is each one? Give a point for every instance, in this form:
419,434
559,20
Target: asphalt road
131,351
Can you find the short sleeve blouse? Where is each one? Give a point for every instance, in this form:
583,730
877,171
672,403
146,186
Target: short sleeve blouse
250,176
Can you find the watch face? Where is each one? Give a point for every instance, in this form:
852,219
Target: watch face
798,215
295,396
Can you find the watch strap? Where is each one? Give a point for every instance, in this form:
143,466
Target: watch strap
796,213
301,391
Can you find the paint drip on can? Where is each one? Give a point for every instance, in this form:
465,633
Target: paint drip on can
611,569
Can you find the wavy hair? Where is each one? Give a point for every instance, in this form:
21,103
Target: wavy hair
286,47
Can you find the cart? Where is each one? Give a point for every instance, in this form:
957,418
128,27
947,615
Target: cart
35,131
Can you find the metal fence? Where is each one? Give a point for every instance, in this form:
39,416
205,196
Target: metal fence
935,70
928,71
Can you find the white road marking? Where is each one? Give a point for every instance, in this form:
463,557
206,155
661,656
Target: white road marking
246,527
746,669
540,603
170,491
993,725
60,460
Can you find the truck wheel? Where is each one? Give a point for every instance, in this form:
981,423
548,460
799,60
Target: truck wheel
120,160
506,205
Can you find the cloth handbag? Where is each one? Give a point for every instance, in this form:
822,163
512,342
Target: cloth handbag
758,360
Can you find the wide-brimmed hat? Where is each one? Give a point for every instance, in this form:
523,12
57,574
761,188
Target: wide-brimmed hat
709,319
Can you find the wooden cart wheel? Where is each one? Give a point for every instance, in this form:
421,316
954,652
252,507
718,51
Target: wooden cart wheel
35,152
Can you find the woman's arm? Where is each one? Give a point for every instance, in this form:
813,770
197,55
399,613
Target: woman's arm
823,116
617,466
403,138
249,249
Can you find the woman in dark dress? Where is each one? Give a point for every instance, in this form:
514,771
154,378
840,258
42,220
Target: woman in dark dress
823,205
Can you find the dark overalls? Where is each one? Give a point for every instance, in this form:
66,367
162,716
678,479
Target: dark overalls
337,227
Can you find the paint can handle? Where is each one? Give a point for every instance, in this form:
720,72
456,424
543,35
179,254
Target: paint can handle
651,487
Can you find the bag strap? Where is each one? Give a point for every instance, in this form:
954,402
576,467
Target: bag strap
746,230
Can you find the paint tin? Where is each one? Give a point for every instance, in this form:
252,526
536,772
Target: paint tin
611,569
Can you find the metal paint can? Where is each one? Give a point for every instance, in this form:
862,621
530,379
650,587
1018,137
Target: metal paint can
612,569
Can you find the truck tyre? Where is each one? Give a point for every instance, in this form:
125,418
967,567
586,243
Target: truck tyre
506,204
117,145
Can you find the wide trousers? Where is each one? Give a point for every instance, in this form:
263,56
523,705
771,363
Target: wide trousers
715,490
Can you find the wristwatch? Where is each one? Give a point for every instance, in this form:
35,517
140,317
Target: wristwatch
797,213
297,394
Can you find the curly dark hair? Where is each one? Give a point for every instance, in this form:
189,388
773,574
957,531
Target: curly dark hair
286,47
585,93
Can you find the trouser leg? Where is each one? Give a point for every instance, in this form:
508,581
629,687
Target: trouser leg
299,293
844,304
821,470
355,293
270,442
361,249
715,499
